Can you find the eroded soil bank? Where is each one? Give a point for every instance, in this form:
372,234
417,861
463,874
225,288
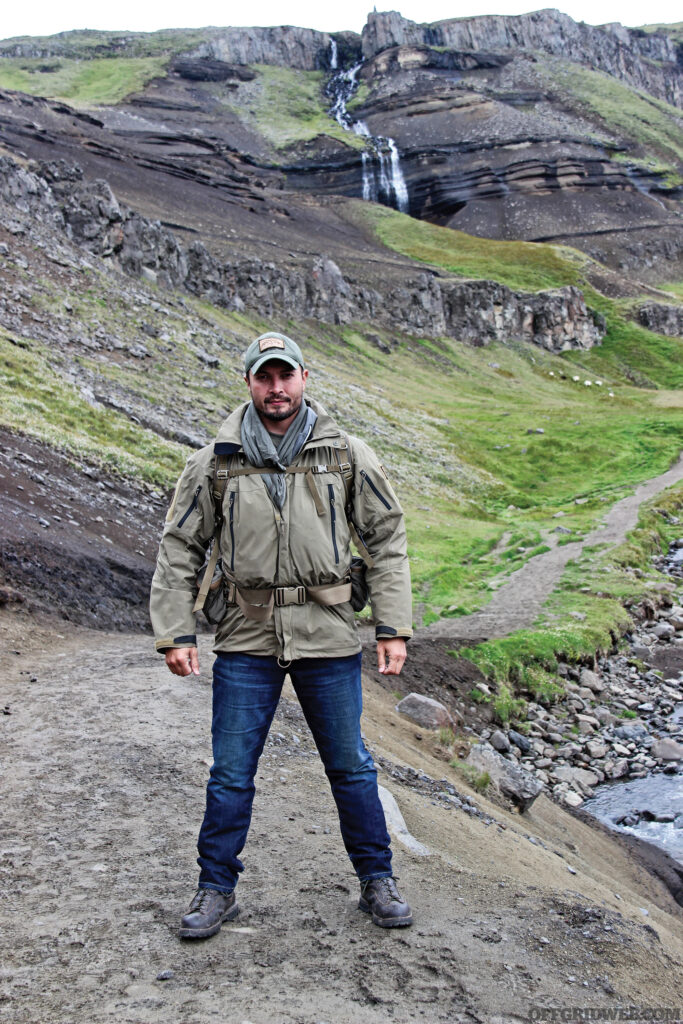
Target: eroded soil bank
103,788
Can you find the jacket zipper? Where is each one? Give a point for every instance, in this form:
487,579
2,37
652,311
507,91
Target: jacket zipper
333,522
231,522
193,505
373,488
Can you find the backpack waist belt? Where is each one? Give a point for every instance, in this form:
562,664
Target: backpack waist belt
258,604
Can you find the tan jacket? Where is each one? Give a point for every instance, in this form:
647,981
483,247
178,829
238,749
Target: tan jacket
262,547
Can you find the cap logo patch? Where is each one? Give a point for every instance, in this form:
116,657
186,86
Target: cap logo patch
266,343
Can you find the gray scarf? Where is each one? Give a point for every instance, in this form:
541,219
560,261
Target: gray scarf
260,450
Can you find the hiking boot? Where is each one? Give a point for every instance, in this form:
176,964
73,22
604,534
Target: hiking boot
208,910
381,898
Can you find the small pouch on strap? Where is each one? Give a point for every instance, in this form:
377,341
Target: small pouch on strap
257,611
359,584
331,593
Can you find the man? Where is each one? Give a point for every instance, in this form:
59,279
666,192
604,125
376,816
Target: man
288,481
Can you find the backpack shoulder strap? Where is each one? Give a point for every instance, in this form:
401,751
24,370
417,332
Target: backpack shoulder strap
221,473
346,468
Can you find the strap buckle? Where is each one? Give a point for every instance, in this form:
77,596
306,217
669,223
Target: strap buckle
289,595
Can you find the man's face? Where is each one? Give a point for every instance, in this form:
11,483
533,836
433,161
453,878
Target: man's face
277,392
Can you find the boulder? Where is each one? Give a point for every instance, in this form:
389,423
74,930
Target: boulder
663,631
425,711
500,741
519,741
667,750
591,680
579,777
513,782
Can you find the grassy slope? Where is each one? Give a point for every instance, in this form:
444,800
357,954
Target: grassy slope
95,81
649,125
287,106
88,43
450,422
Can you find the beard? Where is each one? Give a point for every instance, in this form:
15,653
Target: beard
275,415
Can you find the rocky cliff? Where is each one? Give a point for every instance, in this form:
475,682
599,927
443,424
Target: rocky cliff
422,304
648,61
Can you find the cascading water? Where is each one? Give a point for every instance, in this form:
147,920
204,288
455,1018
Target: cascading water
383,179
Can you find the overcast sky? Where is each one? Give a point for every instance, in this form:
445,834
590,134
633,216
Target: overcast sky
44,17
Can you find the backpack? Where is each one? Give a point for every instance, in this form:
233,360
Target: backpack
216,593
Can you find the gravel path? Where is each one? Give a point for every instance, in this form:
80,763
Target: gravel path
103,773
517,604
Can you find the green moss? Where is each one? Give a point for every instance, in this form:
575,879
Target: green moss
479,781
675,287
506,707
96,81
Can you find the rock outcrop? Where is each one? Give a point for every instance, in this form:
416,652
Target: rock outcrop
424,304
645,60
662,318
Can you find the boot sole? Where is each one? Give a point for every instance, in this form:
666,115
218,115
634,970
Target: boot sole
385,922
206,933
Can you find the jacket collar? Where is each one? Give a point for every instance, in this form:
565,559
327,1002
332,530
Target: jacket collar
229,435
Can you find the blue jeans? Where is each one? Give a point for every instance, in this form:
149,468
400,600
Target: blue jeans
246,691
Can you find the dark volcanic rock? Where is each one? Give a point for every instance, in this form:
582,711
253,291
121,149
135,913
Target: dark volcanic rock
207,70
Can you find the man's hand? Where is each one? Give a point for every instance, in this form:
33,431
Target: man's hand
183,661
390,656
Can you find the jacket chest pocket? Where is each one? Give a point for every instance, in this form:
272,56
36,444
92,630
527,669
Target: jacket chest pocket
249,538
318,534
333,521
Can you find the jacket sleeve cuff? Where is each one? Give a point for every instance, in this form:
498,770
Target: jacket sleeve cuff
383,632
167,642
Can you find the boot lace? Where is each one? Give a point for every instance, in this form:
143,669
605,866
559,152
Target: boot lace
386,890
203,895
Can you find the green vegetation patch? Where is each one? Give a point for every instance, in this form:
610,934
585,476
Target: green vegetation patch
636,116
586,613
287,106
528,266
81,82
90,43
37,401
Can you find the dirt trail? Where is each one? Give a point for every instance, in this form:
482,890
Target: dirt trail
105,761
518,602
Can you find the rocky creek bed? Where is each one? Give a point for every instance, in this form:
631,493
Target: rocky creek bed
614,745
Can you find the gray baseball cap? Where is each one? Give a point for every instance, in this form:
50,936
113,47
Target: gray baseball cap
272,346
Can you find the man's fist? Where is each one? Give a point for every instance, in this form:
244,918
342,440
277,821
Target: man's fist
183,661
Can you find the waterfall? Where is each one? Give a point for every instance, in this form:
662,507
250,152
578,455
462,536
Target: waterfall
333,55
382,177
